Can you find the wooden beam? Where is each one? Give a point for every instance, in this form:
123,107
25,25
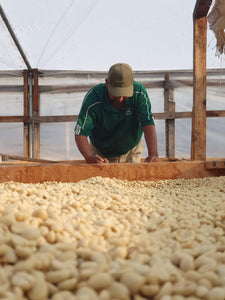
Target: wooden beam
34,173
26,114
36,114
14,119
55,119
11,88
73,118
215,164
198,145
201,8
215,113
169,106
6,157
99,74
58,89
157,116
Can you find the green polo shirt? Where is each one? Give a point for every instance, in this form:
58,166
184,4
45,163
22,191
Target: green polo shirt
114,132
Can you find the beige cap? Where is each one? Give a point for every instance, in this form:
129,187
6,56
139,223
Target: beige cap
120,80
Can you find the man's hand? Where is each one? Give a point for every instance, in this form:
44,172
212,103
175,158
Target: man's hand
152,158
96,159
151,142
83,146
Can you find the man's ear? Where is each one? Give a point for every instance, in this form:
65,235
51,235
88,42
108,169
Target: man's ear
106,82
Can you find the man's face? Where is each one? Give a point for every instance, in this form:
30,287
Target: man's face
115,99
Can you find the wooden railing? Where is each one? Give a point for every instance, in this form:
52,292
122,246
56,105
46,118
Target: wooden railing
83,81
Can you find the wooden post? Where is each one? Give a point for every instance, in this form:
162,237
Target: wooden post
198,143
36,114
199,102
169,106
26,114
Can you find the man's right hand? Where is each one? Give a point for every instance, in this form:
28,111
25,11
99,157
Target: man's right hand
83,146
96,159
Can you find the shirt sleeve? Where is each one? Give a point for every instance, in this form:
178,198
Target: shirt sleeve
143,106
85,122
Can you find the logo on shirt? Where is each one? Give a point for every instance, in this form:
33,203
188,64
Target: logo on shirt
77,129
128,112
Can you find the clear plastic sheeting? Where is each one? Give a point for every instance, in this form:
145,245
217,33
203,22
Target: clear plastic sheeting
62,93
57,141
11,104
94,34
11,138
10,58
61,104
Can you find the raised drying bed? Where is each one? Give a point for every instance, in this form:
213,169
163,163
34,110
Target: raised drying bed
73,171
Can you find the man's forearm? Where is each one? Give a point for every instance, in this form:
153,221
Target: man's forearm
84,148
83,145
151,140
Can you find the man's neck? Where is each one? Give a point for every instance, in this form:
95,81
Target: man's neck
118,105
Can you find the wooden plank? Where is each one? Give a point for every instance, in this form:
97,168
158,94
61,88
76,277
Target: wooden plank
11,73
172,115
215,164
26,114
157,116
216,82
55,119
215,113
102,74
198,146
181,83
169,106
33,173
11,89
57,89
6,157
186,83
65,88
201,8
14,119
36,114
73,118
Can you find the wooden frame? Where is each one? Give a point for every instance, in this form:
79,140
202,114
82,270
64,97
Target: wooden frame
167,80
198,147
74,171
169,106
26,114
36,113
37,170
198,114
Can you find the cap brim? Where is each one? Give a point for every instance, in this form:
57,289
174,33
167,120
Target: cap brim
116,91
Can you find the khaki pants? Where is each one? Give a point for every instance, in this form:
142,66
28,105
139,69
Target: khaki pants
132,156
